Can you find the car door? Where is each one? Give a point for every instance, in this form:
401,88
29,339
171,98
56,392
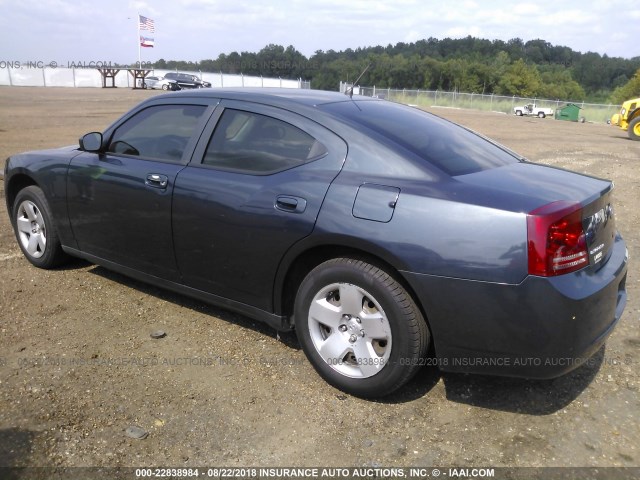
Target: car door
254,188
185,80
119,200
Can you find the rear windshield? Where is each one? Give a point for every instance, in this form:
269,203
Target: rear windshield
445,145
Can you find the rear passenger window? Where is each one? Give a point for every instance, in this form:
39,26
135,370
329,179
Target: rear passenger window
454,150
251,143
159,132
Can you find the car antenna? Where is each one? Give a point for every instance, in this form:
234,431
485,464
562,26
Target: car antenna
350,89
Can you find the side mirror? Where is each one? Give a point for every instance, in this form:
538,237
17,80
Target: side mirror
91,142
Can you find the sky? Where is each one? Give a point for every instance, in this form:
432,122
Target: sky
85,31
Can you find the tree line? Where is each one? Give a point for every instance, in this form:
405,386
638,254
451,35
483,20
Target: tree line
527,69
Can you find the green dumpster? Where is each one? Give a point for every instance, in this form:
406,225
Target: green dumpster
570,112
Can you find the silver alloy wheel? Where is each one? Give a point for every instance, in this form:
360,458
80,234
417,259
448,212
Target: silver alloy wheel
350,330
31,229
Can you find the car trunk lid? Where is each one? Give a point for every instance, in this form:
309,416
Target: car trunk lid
526,187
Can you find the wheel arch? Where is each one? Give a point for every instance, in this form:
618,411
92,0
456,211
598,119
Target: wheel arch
15,184
287,282
633,114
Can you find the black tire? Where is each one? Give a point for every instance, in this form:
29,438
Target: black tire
519,113
165,87
634,129
541,115
393,350
38,238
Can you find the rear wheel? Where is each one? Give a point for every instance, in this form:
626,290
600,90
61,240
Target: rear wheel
359,327
35,229
541,115
634,129
519,113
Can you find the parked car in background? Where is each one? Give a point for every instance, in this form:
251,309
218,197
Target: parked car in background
186,80
160,82
373,229
532,109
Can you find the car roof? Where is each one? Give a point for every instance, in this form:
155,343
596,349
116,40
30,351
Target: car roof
273,96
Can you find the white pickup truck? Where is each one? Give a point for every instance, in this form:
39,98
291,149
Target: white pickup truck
532,109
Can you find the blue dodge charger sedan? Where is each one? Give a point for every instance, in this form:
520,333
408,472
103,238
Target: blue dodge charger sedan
379,232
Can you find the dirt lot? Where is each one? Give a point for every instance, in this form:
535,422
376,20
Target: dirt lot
78,366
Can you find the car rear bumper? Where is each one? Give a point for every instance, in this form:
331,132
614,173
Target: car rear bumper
540,328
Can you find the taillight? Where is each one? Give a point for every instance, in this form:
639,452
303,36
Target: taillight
556,240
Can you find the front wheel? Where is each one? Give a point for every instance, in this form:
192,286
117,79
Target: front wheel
35,229
634,129
165,87
359,327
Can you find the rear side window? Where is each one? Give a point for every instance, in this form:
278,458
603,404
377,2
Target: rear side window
445,145
251,143
158,132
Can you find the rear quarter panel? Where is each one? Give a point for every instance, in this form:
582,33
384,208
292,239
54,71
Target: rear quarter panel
428,232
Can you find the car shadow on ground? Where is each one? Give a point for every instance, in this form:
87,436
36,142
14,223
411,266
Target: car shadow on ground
507,394
287,338
73,263
15,447
516,395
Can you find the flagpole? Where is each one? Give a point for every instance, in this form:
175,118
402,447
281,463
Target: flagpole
139,57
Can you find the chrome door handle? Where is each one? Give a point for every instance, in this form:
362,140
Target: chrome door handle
156,180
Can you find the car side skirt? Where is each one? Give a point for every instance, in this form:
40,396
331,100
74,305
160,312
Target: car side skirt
278,322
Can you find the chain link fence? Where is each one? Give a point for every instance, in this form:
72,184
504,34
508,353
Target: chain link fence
591,112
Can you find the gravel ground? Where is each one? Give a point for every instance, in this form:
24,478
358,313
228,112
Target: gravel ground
78,365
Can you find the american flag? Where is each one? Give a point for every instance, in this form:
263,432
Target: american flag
146,24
